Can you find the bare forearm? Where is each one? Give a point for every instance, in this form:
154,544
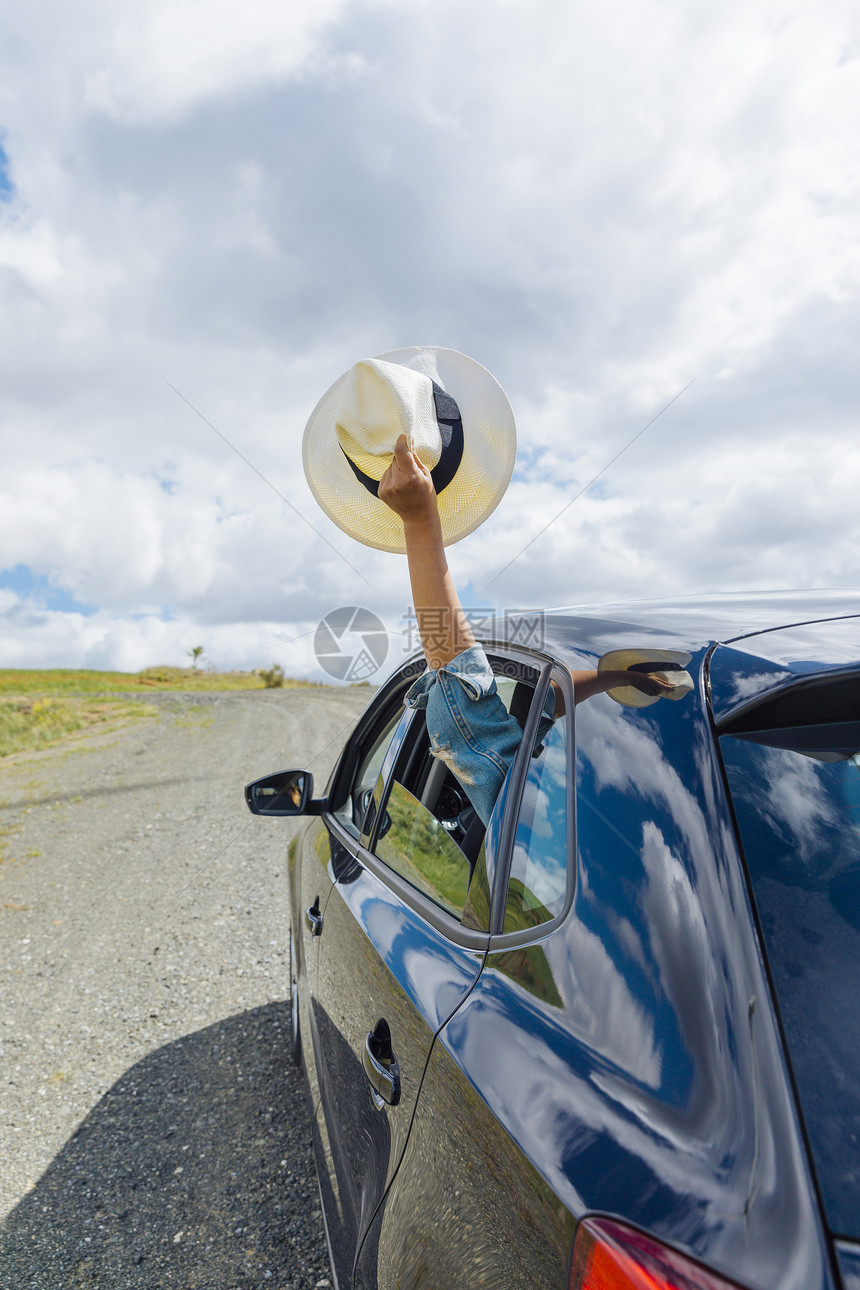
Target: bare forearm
407,487
443,626
585,684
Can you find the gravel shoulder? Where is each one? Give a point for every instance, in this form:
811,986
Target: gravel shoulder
154,1130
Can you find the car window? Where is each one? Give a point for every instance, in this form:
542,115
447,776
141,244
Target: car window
429,832
537,886
352,810
417,846
796,794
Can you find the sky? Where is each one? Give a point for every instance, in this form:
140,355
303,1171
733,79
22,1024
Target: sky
210,211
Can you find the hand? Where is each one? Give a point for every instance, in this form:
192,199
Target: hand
407,486
648,683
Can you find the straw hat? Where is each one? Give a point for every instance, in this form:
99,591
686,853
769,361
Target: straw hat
668,664
456,418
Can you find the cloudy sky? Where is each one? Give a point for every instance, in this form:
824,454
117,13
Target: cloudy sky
599,203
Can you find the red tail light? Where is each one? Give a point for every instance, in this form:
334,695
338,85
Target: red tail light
609,1256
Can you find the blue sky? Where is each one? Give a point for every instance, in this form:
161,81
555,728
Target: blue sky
598,205
35,589
6,186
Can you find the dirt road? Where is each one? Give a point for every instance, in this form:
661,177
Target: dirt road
154,1130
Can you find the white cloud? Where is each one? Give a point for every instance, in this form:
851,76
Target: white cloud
597,204
165,58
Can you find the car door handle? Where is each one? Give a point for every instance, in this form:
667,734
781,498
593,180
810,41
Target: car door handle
380,1064
315,918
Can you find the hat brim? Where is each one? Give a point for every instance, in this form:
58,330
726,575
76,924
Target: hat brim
489,454
621,660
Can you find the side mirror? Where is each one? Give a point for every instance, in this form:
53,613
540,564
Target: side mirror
287,793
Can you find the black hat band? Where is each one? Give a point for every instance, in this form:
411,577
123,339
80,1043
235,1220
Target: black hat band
451,434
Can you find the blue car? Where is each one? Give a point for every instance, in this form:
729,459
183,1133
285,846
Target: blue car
613,1038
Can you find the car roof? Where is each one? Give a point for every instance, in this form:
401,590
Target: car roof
762,639
720,618
799,631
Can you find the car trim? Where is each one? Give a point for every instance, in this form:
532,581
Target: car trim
781,627
508,940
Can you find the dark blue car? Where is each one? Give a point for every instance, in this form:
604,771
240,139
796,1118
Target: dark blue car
613,1040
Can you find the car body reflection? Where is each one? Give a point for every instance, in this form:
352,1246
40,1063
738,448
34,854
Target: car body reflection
636,998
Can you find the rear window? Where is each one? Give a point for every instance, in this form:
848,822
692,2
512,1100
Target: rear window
796,794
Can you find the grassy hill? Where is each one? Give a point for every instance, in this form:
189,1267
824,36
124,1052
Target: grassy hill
62,680
40,706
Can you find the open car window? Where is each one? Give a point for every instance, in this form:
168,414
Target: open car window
355,797
417,845
429,833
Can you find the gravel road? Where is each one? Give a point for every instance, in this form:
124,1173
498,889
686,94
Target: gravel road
154,1130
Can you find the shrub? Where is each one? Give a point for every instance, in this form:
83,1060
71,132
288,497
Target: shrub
273,677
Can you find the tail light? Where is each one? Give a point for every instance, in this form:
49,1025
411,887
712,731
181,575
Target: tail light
610,1256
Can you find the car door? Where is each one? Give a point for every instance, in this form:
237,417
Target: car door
325,853
467,1207
401,947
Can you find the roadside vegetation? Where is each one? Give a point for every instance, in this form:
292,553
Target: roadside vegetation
38,707
42,682
29,724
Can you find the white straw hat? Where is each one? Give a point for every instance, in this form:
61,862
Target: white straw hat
456,418
667,664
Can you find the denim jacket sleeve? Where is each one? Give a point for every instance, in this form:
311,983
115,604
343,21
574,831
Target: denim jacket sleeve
470,729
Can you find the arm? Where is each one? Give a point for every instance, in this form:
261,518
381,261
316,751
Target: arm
587,684
408,489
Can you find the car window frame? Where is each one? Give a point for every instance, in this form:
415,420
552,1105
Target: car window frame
502,828
499,938
383,706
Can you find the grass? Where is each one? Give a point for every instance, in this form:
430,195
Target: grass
61,681
38,707
27,725
419,849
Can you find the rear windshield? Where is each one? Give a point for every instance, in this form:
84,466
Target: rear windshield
796,794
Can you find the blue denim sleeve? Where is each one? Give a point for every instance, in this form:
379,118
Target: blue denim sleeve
470,729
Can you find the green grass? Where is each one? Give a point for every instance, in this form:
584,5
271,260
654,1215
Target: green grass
68,681
417,847
27,725
38,706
